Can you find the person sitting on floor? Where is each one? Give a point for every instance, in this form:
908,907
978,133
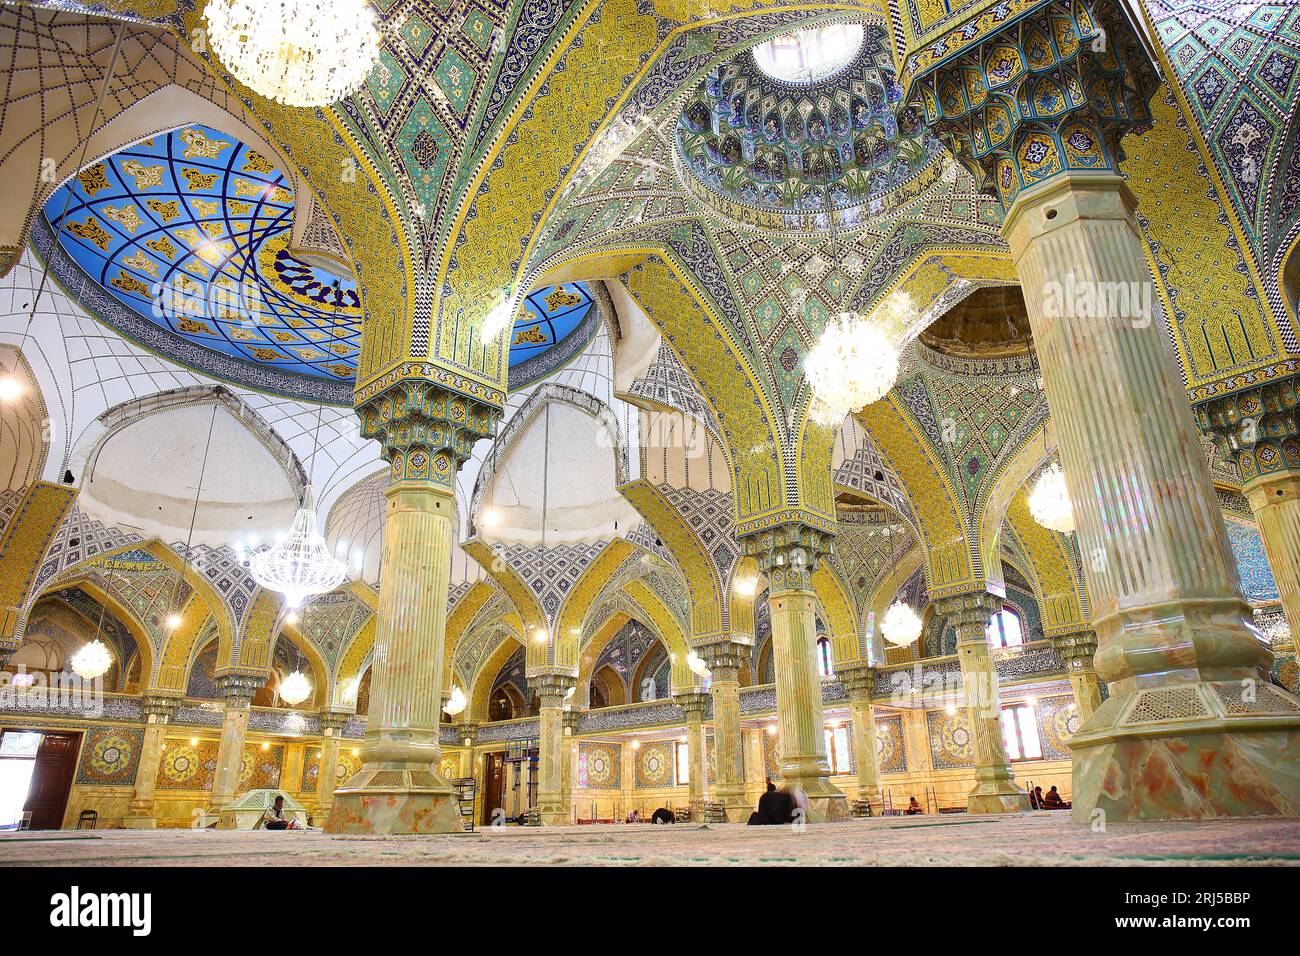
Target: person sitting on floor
634,816
663,815
913,807
775,807
1052,801
1036,798
274,819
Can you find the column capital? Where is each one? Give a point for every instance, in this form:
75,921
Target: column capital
332,722
425,430
571,718
694,705
240,685
552,688
789,553
1021,99
1257,428
1076,648
969,612
858,680
724,659
159,708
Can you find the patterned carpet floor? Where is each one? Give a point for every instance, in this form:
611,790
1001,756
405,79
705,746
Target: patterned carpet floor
1027,839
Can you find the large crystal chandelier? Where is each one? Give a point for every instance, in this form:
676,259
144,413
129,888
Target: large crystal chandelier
299,564
852,364
901,626
298,52
92,661
1049,502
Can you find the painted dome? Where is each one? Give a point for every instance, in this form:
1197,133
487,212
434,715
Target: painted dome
553,326
188,233
805,155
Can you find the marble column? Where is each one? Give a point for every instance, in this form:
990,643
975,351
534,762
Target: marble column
752,740
238,688
1191,727
332,723
159,711
695,707
724,659
426,434
1258,430
995,789
553,752
569,760
788,555
1077,650
467,733
858,681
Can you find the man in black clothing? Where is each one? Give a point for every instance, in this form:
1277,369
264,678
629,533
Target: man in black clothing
774,808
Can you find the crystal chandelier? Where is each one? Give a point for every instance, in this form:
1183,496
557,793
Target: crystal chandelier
92,661
456,703
299,565
1049,502
851,365
697,664
295,688
298,52
901,626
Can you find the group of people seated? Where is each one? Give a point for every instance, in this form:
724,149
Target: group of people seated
1051,800
662,815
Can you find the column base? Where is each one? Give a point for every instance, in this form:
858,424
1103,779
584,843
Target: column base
826,802
554,817
1189,751
139,821
735,804
387,801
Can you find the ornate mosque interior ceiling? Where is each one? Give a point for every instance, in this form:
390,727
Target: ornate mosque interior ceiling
525,323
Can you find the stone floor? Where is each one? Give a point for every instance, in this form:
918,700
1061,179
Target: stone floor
1035,838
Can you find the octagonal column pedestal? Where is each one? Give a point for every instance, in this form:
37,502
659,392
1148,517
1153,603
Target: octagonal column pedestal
238,688
399,788
1077,650
1192,727
695,707
858,681
158,714
995,789
724,661
788,556
552,748
332,723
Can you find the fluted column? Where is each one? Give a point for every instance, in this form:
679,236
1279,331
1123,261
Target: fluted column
332,723
238,688
569,760
552,751
467,732
426,433
723,659
159,710
1258,429
788,556
859,683
995,789
695,707
1077,650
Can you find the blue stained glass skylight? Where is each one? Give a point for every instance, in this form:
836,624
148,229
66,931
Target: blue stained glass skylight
549,316
190,230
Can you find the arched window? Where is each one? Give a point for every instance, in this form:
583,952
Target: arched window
824,657
1004,629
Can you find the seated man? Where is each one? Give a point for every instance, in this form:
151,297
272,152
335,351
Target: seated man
913,807
1052,801
1036,798
274,819
663,815
775,807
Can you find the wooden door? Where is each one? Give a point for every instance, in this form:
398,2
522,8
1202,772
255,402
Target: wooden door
56,764
494,785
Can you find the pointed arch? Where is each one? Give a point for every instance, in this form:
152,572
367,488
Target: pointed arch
481,690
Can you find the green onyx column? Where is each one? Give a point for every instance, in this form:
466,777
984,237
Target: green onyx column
695,708
788,555
724,659
1258,429
159,710
238,688
995,789
1077,649
552,748
858,681
1191,727
426,434
332,723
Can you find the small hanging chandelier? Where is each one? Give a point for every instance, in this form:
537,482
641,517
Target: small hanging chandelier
697,664
852,364
92,661
1049,502
298,52
299,565
295,688
456,703
901,626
